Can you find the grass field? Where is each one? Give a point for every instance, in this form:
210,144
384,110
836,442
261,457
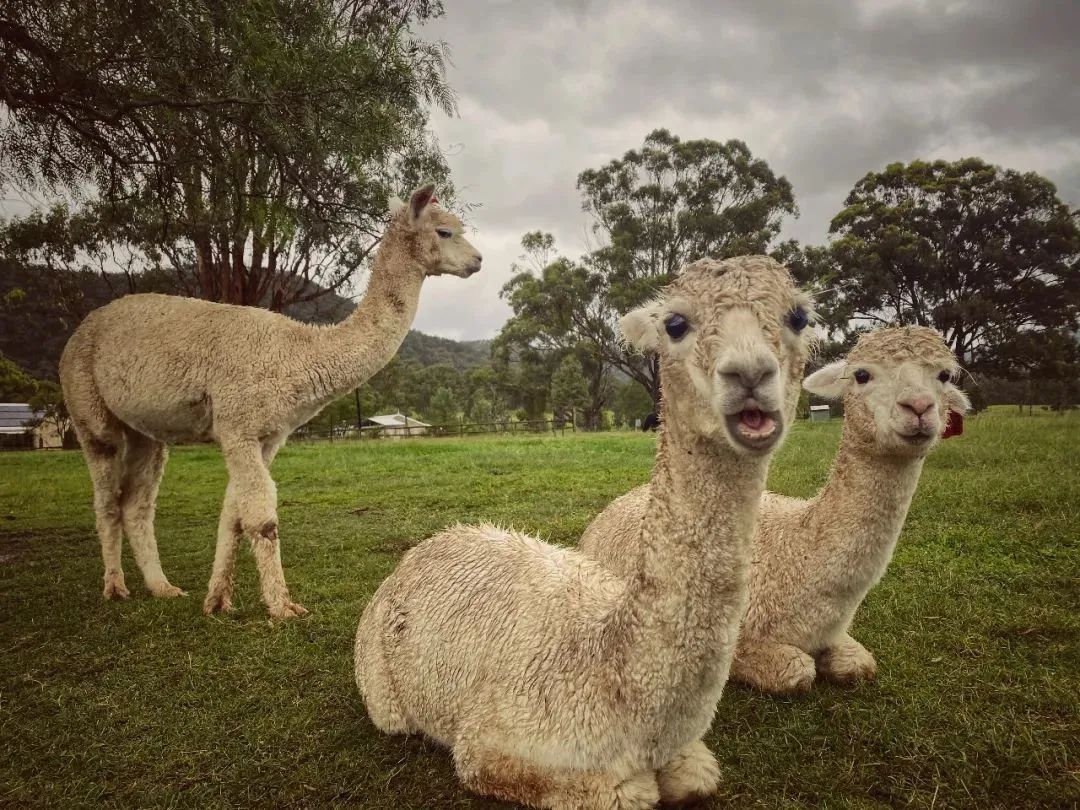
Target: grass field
976,629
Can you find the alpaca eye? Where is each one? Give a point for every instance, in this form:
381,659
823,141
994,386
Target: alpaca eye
944,376
862,376
676,326
797,319
444,233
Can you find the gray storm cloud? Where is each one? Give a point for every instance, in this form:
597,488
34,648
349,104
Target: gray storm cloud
823,91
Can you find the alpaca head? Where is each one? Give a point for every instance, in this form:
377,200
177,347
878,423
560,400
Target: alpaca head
436,237
897,387
732,341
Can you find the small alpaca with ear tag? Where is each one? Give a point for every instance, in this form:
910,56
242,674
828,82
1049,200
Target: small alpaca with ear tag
814,561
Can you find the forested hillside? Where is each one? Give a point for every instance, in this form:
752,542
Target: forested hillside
41,309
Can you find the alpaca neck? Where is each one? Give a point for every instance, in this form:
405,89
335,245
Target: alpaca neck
703,508
862,508
355,349
687,593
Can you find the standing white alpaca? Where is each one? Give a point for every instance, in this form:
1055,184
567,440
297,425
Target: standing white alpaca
148,369
815,561
556,683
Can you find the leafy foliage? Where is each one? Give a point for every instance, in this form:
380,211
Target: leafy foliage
631,402
654,210
443,407
555,306
674,201
15,384
247,146
48,402
986,255
569,390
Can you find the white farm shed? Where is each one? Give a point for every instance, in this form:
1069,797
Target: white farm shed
17,430
820,413
395,425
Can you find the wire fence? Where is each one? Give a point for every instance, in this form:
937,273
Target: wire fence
350,433
338,433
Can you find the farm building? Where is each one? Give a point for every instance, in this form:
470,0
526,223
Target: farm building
395,425
820,413
20,429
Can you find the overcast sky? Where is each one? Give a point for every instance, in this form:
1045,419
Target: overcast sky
823,91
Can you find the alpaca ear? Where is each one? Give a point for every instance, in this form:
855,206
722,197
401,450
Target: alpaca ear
957,400
638,328
420,199
395,204
828,382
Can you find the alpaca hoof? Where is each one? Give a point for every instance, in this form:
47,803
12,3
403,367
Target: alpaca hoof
790,682
637,793
693,775
798,684
217,603
847,665
287,610
780,670
849,677
166,591
115,589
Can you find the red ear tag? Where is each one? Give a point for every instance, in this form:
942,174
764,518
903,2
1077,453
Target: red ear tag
434,200
954,426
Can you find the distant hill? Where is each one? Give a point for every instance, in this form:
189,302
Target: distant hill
428,350
33,331
424,350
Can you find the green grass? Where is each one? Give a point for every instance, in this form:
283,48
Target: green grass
148,703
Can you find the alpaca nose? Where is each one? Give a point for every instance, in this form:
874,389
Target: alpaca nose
750,371
917,405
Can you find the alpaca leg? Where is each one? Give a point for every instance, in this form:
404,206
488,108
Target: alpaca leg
102,439
270,446
257,510
846,662
692,775
256,495
144,463
275,592
102,460
488,772
219,591
779,669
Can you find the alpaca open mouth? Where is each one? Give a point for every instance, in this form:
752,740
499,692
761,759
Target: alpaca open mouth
918,437
753,428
